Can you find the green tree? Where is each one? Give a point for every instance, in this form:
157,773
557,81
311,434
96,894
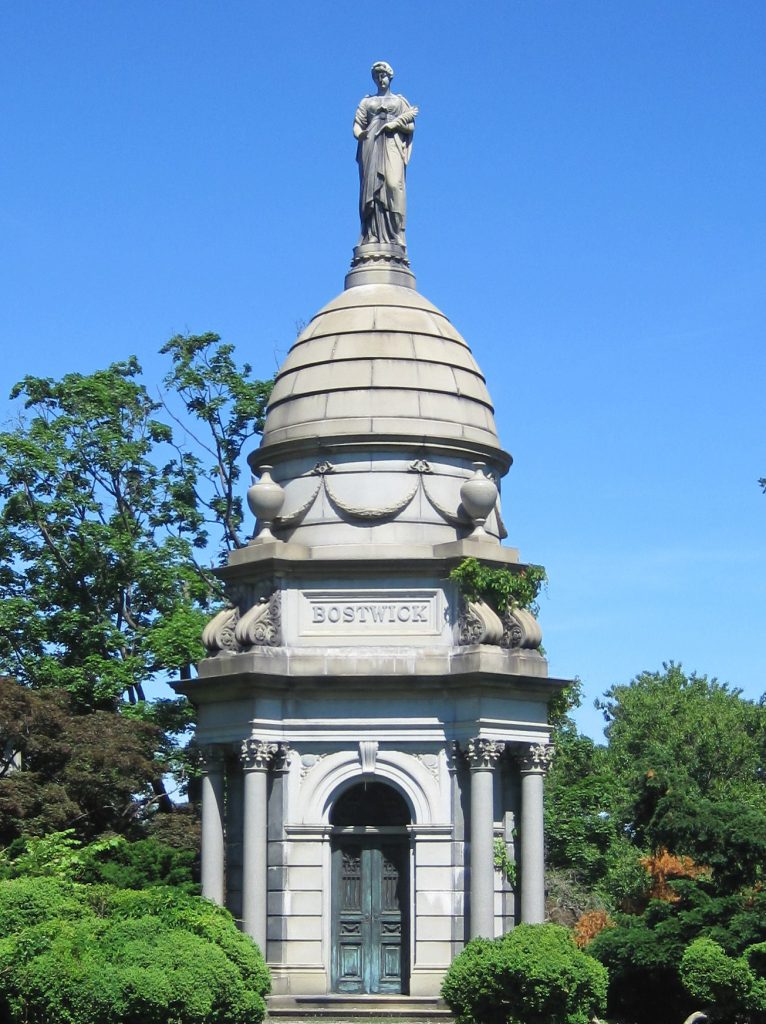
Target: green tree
98,533
92,772
681,783
224,407
107,514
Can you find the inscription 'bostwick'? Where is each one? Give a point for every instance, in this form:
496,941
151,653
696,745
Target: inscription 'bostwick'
364,613
367,613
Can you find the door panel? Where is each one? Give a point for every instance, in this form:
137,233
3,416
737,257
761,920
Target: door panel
369,900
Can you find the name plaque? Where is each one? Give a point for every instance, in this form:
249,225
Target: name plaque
370,613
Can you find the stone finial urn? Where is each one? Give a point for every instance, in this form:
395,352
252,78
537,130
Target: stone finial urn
478,495
265,499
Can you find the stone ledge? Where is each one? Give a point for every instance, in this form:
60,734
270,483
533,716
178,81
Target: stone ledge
412,559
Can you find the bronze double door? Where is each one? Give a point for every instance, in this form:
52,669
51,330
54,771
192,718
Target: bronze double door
370,920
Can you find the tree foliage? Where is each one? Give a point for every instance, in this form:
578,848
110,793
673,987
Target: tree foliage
98,534
108,506
64,768
501,588
225,407
664,829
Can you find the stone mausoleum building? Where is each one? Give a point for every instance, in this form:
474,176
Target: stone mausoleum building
370,735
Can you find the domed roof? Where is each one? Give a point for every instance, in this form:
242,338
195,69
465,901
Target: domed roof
381,360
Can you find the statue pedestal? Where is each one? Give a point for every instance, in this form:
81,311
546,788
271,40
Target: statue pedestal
380,263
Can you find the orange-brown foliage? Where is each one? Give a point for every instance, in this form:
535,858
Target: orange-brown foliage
662,866
589,925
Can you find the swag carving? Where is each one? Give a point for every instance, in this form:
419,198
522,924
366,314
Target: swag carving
373,513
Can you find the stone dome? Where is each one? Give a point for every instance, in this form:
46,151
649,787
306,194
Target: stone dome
378,417
381,361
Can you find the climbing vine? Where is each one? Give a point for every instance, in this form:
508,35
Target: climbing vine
500,588
503,862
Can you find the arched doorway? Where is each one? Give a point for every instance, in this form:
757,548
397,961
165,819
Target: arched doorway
370,890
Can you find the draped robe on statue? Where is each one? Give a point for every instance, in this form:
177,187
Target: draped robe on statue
383,157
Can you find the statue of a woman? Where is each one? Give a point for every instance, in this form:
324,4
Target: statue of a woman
383,126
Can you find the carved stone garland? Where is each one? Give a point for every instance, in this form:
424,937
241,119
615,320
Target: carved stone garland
420,466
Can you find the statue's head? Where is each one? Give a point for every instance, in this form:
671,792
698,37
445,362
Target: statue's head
381,68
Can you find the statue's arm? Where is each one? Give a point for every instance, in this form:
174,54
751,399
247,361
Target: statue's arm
360,121
405,122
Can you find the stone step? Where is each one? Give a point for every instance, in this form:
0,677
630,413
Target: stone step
358,1009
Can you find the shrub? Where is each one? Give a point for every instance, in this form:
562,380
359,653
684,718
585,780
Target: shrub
533,975
137,865
729,987
28,901
129,957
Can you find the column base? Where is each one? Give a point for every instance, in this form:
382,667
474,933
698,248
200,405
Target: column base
380,263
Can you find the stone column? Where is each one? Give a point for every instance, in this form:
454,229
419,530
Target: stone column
483,755
257,756
533,763
213,860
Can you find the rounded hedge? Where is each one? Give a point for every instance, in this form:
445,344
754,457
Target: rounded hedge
82,954
533,975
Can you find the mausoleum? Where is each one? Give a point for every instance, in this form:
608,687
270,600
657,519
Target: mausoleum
370,735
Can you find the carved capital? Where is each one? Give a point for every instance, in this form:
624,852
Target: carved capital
257,755
212,758
536,758
455,755
282,757
483,754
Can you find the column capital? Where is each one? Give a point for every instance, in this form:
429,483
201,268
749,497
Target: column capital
484,754
455,755
257,755
212,757
536,758
282,757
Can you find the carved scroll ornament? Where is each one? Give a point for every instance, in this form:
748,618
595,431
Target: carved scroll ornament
230,632
521,630
479,624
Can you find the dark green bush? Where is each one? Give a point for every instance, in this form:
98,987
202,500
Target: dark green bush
643,952
137,865
85,954
729,988
533,975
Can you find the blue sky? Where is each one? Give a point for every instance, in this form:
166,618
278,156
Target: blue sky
586,203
